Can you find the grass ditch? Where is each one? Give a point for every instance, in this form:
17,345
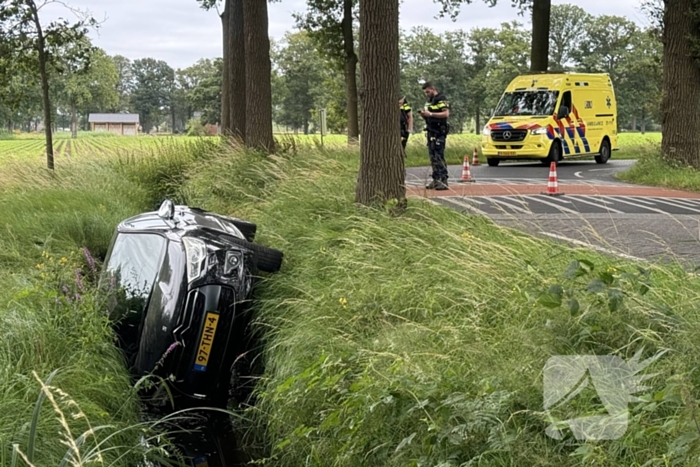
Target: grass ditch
421,340
414,340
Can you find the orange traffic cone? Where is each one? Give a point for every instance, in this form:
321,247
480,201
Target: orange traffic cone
475,159
552,184
466,173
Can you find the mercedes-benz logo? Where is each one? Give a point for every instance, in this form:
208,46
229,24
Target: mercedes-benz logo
506,135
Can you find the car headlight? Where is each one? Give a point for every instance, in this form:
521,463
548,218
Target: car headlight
196,252
539,131
486,131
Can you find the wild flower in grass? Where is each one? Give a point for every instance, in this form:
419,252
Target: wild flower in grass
169,350
79,280
90,260
344,302
40,266
102,208
78,297
43,276
63,260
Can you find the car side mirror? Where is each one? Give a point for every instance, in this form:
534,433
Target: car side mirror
563,112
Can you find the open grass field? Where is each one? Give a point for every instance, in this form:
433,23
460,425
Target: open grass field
410,340
632,145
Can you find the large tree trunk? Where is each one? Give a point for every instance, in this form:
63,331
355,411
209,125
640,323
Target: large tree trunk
539,54
350,73
382,173
258,127
238,71
226,71
680,108
634,123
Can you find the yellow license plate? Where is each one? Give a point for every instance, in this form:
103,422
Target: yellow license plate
206,341
506,153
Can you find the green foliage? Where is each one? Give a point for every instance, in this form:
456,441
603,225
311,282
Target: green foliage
154,82
301,71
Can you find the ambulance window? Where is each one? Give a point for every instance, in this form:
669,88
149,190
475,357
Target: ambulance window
566,100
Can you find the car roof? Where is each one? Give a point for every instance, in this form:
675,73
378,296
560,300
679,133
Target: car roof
186,219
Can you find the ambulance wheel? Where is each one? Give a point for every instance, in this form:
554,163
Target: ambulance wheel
493,162
604,156
554,154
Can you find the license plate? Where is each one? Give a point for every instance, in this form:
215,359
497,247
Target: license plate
506,153
206,341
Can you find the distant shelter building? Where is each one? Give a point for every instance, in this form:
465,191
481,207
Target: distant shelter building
119,124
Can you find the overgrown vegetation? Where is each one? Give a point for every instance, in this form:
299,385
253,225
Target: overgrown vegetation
412,340
655,170
420,340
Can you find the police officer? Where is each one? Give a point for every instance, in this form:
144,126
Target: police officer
437,128
406,121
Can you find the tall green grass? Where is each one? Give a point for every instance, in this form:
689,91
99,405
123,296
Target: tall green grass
652,169
416,340
53,323
420,340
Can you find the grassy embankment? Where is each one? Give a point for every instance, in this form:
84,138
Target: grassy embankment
392,341
652,169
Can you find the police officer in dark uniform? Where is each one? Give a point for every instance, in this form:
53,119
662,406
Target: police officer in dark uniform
406,121
437,128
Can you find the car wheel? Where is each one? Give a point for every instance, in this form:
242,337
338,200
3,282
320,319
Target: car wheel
554,154
267,259
248,229
604,155
493,162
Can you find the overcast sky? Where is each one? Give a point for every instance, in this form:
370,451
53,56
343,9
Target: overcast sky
180,32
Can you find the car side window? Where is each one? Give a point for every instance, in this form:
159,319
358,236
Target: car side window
133,266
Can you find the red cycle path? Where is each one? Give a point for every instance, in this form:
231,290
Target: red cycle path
474,189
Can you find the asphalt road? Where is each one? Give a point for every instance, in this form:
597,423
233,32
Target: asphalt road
653,227
529,172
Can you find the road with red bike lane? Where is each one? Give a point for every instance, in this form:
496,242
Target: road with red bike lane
595,210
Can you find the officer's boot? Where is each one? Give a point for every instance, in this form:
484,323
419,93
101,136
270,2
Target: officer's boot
432,185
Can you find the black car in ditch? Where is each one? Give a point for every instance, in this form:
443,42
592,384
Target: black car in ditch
178,284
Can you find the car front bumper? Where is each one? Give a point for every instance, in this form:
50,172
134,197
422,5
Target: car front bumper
532,147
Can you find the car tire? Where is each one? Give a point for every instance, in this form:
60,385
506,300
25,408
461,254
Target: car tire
604,155
267,259
493,162
248,229
554,154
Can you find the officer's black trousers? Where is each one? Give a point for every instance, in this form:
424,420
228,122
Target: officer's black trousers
436,150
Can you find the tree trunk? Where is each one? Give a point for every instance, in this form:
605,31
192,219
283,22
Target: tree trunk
350,73
634,123
238,71
539,54
258,128
226,71
680,114
73,122
382,173
477,130
44,85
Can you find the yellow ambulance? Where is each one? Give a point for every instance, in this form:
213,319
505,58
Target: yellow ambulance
552,117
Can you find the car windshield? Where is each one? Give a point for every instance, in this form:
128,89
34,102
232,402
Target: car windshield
132,268
527,103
